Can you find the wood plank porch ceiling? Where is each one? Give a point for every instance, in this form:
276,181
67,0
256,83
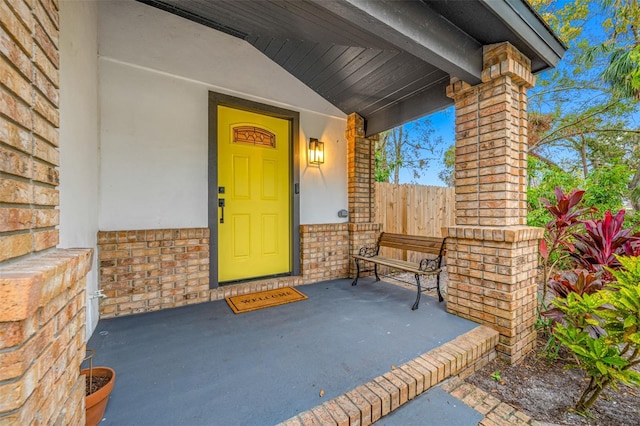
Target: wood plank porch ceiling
387,60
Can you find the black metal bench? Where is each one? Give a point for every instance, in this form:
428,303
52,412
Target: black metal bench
427,266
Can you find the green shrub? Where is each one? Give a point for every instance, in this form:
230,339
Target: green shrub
602,331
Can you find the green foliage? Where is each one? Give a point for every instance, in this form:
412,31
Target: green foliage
447,174
635,73
622,73
607,186
383,169
543,181
632,221
623,322
566,18
496,376
602,331
623,44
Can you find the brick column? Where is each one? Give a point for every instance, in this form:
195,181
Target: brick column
361,187
42,338
42,288
492,254
29,120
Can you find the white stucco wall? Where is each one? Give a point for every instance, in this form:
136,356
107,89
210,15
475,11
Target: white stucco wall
79,136
155,73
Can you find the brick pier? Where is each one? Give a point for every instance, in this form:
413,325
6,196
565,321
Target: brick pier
42,288
492,254
363,231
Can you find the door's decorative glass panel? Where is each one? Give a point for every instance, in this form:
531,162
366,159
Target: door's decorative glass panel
254,136
240,177
269,180
241,235
269,234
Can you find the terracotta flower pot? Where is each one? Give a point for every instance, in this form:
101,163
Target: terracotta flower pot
96,403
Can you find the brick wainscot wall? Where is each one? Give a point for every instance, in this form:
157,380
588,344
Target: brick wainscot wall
149,270
324,251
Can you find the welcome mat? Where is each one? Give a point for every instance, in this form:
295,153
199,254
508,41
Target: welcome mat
264,299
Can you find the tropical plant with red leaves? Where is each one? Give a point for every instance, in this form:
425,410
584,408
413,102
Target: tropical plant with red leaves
557,242
564,212
602,241
595,312
578,282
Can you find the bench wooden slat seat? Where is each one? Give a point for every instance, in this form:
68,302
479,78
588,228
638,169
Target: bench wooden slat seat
433,246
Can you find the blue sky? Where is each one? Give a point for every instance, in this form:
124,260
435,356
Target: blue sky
443,123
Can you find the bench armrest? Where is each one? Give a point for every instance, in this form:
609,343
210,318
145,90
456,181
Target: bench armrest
429,265
368,251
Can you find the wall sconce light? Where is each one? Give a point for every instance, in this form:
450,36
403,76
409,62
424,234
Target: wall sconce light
316,151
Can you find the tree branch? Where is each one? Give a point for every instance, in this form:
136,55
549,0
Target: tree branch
578,121
545,160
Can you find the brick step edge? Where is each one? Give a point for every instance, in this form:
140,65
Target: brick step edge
495,412
371,401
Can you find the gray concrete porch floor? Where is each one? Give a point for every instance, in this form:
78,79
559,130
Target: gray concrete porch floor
205,365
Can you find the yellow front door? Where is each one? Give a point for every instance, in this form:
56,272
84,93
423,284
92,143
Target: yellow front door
254,226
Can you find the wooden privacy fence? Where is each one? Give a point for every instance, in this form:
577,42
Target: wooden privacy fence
414,209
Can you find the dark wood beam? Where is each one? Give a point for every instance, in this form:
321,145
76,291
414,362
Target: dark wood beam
424,102
415,28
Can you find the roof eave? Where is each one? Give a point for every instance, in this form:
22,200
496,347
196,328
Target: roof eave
523,20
